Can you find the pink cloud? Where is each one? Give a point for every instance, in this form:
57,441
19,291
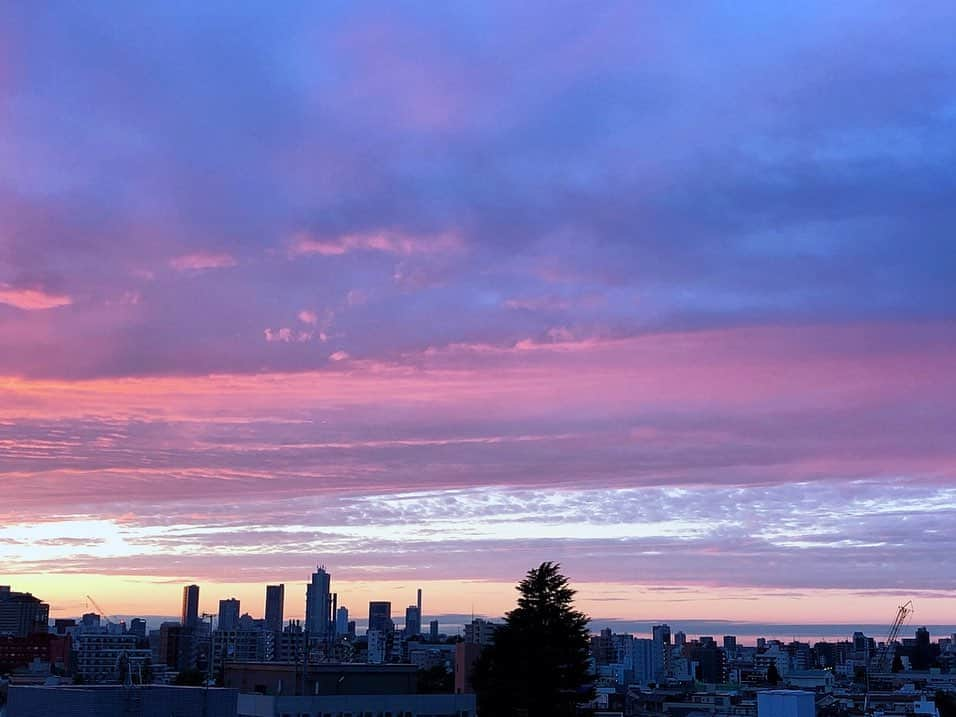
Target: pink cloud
308,317
387,242
202,261
287,336
32,299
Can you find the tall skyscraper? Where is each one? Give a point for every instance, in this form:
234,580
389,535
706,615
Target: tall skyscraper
318,604
342,621
413,621
380,617
275,607
433,630
229,614
190,606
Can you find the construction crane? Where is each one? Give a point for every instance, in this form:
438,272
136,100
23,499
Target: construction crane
883,655
100,610
878,664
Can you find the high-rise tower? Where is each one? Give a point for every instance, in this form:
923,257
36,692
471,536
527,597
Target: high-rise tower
190,606
318,604
275,607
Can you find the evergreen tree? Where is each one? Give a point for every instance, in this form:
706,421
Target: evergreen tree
773,674
538,665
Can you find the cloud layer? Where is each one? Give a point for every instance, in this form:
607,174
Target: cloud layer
670,299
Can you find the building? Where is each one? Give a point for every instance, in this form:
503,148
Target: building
377,646
342,621
137,627
818,680
21,614
18,652
100,657
644,661
324,678
178,647
228,615
426,656
482,632
380,616
785,703
190,616
710,662
413,621
246,645
290,643
275,607
350,705
117,701
661,635
318,604
433,630
773,655
466,655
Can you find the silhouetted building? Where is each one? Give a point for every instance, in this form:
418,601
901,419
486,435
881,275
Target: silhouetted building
228,614
21,614
178,647
921,657
413,621
137,628
710,662
433,630
275,607
318,604
18,652
662,645
190,616
380,616
342,621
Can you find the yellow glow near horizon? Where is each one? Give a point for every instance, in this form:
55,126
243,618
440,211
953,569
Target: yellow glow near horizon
130,595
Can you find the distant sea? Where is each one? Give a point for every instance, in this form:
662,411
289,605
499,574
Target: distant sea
746,632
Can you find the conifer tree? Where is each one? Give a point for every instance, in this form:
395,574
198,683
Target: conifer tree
538,665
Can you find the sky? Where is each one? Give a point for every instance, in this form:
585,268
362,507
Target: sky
430,293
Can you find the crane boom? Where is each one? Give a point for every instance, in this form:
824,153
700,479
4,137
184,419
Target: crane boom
99,609
883,655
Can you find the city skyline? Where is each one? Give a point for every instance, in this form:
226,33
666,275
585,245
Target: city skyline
434,295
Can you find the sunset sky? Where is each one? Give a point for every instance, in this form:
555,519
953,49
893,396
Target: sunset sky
432,292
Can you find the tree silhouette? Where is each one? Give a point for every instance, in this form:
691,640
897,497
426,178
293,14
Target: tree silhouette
773,675
538,665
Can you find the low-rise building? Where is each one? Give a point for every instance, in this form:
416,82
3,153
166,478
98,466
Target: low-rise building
350,705
117,701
